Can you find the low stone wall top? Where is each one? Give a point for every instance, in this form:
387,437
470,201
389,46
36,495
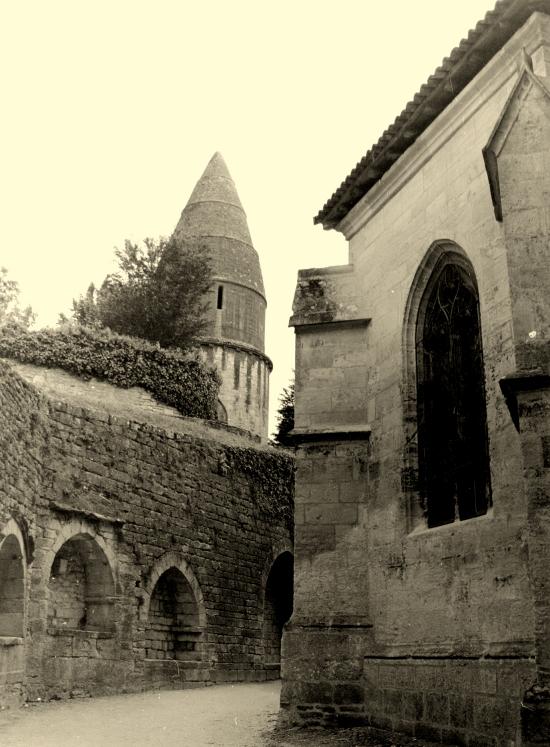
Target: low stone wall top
131,404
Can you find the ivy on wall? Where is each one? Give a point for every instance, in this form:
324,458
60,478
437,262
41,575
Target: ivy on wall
271,477
172,377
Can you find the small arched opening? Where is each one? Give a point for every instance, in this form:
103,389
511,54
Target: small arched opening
278,605
12,588
221,412
80,587
173,627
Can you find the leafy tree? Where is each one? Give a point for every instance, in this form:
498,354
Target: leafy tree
158,293
85,310
285,417
10,311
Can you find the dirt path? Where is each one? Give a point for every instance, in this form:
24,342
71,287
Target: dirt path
242,715
220,716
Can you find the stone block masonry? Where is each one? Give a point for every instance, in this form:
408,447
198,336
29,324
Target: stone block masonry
244,389
423,415
138,555
233,338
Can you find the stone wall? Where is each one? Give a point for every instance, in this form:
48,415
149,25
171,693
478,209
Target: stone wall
427,629
107,513
244,388
528,395
236,312
21,480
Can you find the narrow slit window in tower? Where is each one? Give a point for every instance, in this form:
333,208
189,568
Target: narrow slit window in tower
220,296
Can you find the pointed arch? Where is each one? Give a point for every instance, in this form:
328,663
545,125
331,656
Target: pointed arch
278,602
221,411
446,456
174,613
164,563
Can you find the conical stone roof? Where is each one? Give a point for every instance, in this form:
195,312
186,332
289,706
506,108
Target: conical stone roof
215,216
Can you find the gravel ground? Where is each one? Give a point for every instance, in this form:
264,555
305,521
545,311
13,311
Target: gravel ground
243,715
219,716
358,737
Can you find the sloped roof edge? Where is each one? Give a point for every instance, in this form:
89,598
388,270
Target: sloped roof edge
454,73
503,126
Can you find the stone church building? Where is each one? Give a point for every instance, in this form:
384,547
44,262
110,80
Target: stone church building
140,548
422,568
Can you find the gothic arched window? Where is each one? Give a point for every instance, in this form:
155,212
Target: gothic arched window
453,456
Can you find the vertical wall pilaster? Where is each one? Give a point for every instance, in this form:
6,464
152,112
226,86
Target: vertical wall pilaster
529,398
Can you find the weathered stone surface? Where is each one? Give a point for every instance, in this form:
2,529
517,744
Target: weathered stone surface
101,509
234,335
244,389
455,616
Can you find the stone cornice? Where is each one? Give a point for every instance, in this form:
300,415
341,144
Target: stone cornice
234,345
216,279
326,296
315,322
314,272
522,381
351,432
340,622
63,508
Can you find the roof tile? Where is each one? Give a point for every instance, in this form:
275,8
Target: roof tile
454,73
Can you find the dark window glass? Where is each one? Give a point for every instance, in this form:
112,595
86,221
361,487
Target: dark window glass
452,422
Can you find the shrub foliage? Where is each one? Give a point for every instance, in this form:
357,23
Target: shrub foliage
271,475
10,311
159,293
285,418
173,378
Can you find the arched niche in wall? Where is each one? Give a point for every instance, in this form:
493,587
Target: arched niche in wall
221,412
173,612
278,605
446,471
80,587
12,582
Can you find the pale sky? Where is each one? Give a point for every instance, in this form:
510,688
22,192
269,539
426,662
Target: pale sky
112,109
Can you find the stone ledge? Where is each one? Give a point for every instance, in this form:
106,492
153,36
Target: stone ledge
324,320
351,622
11,640
358,431
189,663
187,629
423,529
521,381
90,515
241,347
524,381
481,658
78,633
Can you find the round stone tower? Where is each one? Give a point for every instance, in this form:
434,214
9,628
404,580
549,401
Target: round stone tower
234,338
